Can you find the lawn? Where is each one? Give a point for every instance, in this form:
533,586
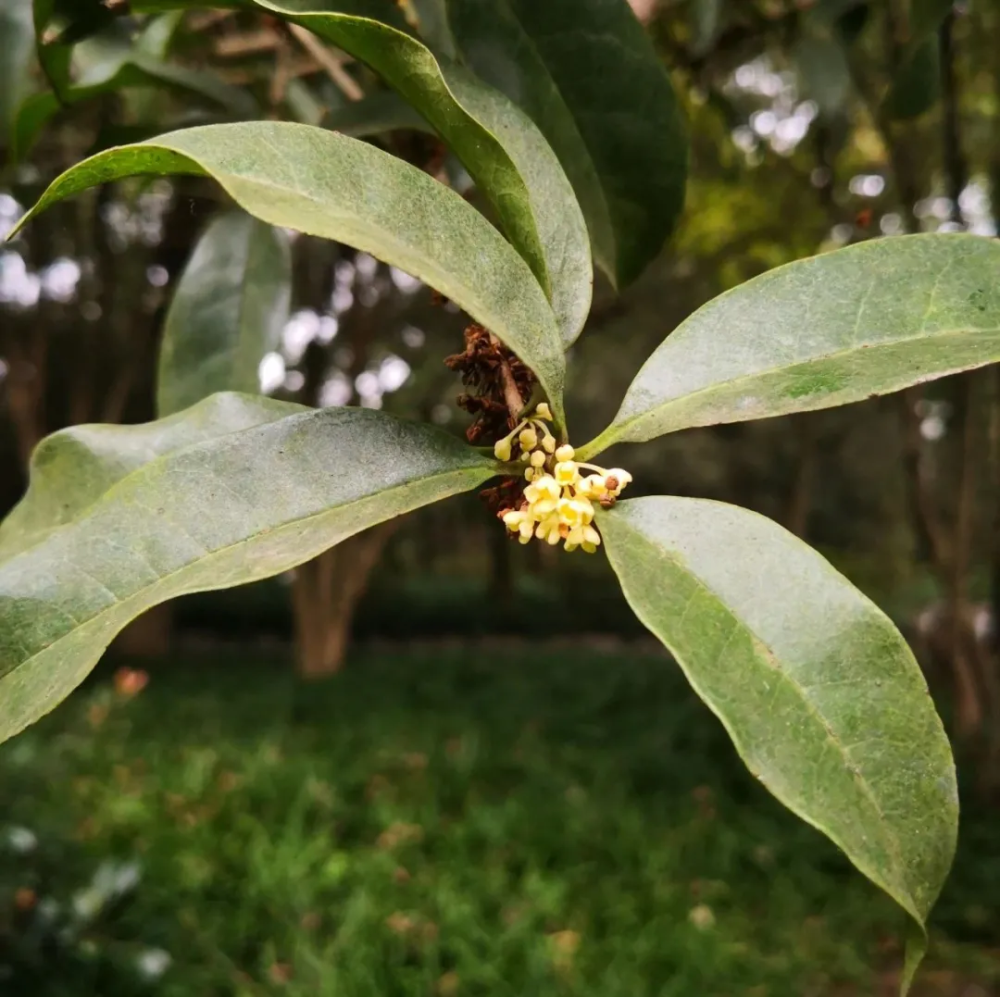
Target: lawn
515,823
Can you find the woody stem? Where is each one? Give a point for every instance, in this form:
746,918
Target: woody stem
511,394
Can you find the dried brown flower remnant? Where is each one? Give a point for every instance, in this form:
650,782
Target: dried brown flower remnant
490,370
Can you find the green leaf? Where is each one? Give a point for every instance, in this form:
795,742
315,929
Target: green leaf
327,185
586,73
916,86
706,19
432,23
824,75
121,518
865,320
18,34
501,148
817,689
229,308
59,24
110,61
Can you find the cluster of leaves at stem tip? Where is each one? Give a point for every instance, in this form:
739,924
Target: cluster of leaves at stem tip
818,691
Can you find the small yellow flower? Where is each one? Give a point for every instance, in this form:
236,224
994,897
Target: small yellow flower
567,474
528,438
549,444
501,449
565,453
543,411
537,458
513,519
591,486
575,512
543,487
549,531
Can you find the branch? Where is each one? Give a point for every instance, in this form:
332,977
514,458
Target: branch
511,392
334,67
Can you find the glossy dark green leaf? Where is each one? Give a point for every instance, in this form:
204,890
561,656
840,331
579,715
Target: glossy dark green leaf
817,689
501,148
18,41
121,518
865,320
228,310
589,77
111,61
327,185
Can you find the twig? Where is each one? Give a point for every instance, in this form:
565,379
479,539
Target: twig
331,64
511,393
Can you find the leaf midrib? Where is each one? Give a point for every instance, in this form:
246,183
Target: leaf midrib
812,710
868,349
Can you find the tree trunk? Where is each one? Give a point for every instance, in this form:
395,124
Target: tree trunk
326,592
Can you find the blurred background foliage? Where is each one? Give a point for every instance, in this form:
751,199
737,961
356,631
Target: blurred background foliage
547,814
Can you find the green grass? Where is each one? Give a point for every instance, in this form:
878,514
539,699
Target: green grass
518,826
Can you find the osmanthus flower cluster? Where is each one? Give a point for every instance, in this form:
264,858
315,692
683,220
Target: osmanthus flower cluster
558,502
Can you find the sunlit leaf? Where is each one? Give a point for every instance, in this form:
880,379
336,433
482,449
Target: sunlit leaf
865,320
121,518
227,311
587,74
327,185
819,692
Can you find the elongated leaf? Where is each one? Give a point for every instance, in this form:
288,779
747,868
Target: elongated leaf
233,490
504,152
335,187
586,73
833,329
228,310
824,75
109,62
819,692
432,23
18,34
917,83
706,18
59,24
